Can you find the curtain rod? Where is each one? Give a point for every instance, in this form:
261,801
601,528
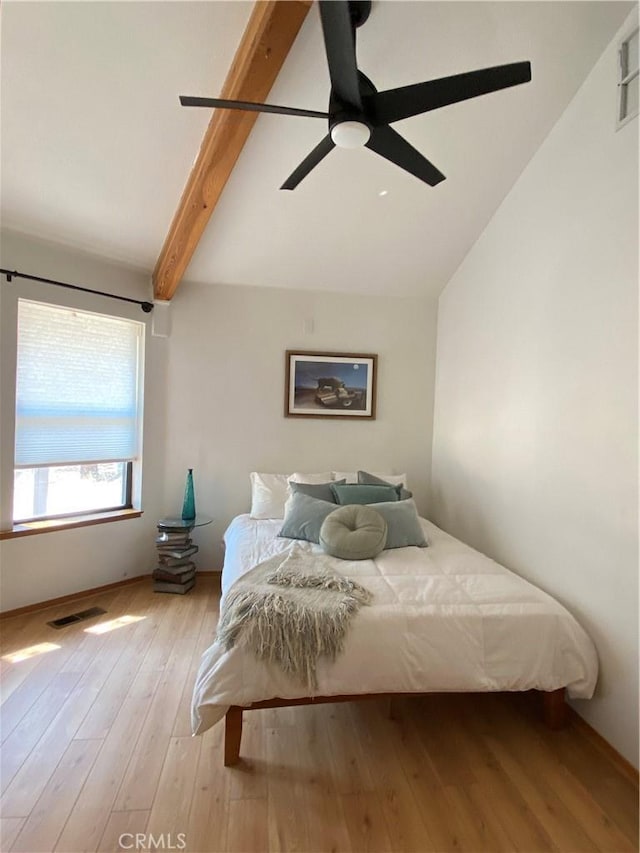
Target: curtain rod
10,274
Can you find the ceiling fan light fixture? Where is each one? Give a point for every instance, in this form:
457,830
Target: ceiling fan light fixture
350,134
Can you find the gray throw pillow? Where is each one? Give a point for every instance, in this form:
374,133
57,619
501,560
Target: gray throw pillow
361,494
353,533
371,480
403,525
304,516
321,491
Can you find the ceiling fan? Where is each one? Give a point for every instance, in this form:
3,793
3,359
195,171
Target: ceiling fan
358,114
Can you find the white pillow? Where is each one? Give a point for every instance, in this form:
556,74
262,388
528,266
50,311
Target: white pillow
268,494
350,476
325,477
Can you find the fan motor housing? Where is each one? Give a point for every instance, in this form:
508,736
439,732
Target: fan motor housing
339,111
359,11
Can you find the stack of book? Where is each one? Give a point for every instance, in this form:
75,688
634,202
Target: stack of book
176,571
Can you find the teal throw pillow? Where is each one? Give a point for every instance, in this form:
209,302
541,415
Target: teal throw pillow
352,493
371,480
304,516
403,525
321,491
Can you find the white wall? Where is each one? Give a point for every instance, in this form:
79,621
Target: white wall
44,566
225,408
535,444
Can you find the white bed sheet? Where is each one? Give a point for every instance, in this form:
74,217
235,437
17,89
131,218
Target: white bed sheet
443,618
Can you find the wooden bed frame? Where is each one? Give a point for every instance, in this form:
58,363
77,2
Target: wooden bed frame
553,704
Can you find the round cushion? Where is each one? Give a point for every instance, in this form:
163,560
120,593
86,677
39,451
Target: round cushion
353,532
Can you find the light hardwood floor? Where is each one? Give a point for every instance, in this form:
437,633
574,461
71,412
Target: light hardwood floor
97,744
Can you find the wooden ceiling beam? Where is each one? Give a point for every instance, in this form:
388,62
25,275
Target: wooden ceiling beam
270,33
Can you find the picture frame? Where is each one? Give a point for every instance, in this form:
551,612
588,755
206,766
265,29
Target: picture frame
330,385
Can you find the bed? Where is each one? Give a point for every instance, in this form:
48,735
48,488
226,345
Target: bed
444,618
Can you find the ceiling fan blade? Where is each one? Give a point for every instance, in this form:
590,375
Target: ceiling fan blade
340,45
395,104
222,103
390,145
310,162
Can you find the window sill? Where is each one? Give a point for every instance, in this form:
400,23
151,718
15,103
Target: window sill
52,525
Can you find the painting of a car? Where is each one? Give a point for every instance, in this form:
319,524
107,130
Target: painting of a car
332,392
330,385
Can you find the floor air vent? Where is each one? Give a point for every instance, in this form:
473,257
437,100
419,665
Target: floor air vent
76,617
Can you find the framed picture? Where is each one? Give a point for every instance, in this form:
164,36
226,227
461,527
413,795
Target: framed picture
330,385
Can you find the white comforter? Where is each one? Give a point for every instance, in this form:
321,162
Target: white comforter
443,618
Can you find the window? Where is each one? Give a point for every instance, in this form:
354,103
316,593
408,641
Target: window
78,421
628,79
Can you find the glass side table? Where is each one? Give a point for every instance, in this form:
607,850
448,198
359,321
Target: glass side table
177,521
175,571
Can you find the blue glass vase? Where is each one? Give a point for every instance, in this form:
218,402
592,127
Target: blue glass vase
189,503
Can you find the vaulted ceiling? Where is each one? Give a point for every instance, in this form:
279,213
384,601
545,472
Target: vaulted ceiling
96,149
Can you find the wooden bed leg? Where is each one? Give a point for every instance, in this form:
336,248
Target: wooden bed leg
554,709
232,735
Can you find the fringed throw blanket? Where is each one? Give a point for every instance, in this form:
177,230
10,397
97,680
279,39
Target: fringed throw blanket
291,610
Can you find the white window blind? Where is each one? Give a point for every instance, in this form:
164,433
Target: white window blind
77,386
